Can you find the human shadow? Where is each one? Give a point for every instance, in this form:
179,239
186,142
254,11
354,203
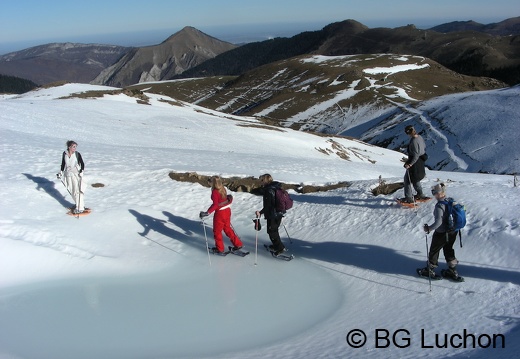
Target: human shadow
374,203
387,260
366,256
305,198
194,228
49,187
186,235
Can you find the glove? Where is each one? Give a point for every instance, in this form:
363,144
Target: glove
203,214
80,174
426,228
59,174
230,198
258,225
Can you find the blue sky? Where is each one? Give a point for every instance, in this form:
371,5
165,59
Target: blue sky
32,22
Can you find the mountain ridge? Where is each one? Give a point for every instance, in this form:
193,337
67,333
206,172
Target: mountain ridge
506,27
179,52
70,62
475,54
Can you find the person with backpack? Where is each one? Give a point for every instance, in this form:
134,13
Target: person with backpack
444,236
273,211
72,167
415,169
221,205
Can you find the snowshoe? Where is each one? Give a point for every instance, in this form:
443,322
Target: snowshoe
279,254
428,273
216,252
405,202
237,251
452,275
72,212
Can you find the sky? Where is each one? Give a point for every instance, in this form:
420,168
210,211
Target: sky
25,23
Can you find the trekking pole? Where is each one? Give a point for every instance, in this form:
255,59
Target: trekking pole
410,181
64,184
258,227
79,196
206,236
256,249
428,263
284,227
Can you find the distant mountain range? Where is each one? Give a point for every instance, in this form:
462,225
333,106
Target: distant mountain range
60,62
181,51
475,53
504,28
469,48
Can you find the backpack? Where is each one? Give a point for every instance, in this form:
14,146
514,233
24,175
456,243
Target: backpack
283,201
456,216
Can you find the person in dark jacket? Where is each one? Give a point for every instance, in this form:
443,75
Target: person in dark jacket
415,170
442,238
274,218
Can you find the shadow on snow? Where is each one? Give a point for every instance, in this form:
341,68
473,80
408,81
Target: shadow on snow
366,256
49,187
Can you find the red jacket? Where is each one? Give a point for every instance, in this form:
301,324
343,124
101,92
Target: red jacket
218,201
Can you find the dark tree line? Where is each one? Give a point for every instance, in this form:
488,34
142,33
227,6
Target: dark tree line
15,85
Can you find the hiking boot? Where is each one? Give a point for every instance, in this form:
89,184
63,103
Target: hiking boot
277,252
451,272
427,272
77,211
406,200
234,249
214,250
421,198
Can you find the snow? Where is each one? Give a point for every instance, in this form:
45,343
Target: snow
336,82
320,59
132,279
395,69
474,132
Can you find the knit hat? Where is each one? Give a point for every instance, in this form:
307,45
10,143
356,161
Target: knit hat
439,188
409,129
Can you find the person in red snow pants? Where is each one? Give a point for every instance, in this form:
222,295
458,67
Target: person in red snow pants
221,205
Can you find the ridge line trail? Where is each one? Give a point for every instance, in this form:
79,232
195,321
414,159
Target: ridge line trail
463,165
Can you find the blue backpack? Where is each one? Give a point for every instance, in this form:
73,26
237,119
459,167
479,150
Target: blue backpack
456,216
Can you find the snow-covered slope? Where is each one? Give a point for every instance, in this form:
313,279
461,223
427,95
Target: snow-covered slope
132,279
474,132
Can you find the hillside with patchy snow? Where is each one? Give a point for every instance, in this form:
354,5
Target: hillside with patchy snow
474,132
324,93
132,279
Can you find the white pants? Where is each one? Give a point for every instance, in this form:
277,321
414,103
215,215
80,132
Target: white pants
73,185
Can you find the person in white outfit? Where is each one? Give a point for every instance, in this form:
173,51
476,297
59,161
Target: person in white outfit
72,167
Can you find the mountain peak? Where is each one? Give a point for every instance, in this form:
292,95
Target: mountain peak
181,51
187,32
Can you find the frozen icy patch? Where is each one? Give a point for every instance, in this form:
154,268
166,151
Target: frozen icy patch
229,307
